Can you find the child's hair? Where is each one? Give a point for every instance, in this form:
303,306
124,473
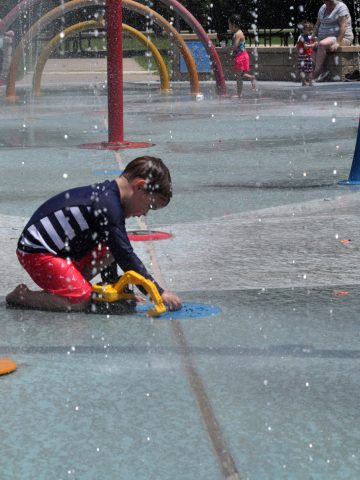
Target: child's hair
235,19
154,172
307,25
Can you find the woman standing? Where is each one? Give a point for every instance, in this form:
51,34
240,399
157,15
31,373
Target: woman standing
332,29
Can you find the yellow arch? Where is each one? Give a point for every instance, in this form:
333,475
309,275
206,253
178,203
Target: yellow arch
76,4
46,51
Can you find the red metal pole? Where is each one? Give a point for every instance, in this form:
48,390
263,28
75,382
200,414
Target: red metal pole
115,70
115,83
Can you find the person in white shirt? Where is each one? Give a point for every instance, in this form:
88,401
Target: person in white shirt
332,29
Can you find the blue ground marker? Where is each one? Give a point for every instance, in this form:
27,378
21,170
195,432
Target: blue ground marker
188,310
108,171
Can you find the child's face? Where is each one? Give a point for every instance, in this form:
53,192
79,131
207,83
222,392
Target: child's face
142,201
306,30
232,27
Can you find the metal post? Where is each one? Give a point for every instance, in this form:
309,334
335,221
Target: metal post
115,83
354,176
115,70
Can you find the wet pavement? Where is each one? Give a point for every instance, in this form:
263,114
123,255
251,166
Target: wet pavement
266,388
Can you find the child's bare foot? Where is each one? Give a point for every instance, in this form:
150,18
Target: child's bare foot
23,297
17,296
253,82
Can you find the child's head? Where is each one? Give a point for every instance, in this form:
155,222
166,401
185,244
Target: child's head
234,22
307,27
151,176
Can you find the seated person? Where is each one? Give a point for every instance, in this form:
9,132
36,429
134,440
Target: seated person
332,29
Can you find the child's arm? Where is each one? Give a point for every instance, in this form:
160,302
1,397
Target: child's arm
238,38
300,43
312,43
127,259
110,224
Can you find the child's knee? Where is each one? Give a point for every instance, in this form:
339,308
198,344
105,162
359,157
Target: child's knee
80,295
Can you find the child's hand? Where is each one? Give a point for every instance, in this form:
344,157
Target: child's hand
171,300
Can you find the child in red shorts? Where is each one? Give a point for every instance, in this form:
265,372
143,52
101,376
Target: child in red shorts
78,233
241,56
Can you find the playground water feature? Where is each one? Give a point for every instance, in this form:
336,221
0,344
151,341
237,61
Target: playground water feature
260,229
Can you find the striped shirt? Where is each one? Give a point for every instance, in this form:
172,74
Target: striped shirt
77,221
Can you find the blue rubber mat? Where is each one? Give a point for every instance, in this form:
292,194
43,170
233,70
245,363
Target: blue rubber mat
188,310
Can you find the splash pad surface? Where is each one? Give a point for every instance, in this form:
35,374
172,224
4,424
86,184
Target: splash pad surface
257,223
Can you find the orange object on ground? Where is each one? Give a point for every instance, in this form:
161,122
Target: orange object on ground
7,366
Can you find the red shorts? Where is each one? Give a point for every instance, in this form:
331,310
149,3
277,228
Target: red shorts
59,275
242,62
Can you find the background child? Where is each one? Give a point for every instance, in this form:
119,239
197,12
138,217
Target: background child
241,56
305,45
74,235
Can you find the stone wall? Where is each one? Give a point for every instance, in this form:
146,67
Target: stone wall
345,60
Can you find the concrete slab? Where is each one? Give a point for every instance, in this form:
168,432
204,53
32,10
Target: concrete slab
261,229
